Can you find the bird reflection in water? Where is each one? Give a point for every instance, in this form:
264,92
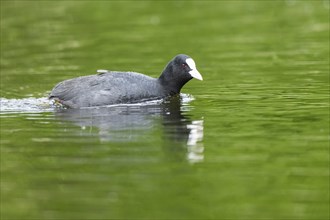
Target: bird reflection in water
133,122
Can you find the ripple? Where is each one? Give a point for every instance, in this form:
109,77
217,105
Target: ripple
43,104
25,105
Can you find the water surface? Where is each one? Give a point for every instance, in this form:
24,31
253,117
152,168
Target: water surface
251,141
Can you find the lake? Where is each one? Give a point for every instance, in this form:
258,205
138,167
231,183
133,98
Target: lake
251,141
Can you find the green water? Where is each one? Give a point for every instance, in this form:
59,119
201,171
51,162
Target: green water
251,141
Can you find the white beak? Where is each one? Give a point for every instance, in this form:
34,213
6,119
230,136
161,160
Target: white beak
194,73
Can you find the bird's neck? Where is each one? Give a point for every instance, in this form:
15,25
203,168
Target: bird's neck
171,87
171,84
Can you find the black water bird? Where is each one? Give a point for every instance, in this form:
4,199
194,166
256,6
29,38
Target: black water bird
111,87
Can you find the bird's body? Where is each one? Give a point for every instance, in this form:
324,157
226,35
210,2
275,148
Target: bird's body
106,89
109,87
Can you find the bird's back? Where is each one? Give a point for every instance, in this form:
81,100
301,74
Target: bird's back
106,88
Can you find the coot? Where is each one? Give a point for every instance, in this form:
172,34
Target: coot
110,87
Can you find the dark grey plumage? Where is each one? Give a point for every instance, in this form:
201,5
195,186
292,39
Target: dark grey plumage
110,87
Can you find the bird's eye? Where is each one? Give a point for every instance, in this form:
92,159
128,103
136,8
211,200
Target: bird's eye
184,65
